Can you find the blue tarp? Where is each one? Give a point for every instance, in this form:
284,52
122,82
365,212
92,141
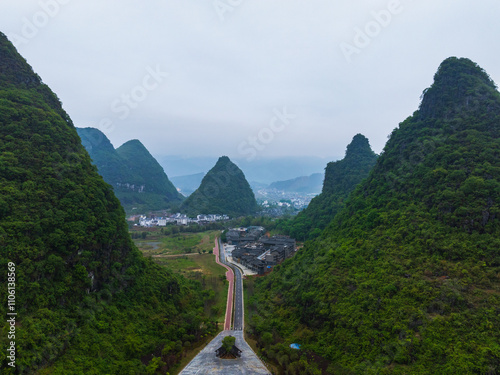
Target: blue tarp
295,346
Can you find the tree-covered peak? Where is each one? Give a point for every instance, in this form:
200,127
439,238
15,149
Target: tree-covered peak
17,74
404,280
137,178
460,85
147,172
341,177
225,190
14,70
456,68
359,146
92,138
82,287
223,160
133,145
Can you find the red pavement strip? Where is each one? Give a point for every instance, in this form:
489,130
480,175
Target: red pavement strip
230,278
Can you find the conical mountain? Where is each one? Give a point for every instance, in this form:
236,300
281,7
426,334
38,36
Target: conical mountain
86,301
138,180
104,156
223,190
341,177
147,175
405,278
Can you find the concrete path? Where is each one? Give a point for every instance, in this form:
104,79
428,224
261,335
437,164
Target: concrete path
206,363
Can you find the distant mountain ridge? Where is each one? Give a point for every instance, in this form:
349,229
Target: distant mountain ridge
137,178
223,190
304,184
264,171
188,184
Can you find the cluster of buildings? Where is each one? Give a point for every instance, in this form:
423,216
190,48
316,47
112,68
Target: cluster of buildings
266,204
277,198
236,236
257,252
180,219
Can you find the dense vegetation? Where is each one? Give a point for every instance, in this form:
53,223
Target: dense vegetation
86,299
341,177
223,190
137,178
104,156
406,279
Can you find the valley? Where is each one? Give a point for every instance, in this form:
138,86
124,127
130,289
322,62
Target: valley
369,263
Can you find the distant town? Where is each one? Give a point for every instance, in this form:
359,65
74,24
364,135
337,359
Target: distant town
274,197
178,219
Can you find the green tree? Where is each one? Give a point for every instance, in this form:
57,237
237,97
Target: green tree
228,343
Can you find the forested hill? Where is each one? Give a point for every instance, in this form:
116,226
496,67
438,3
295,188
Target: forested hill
147,172
104,156
87,302
406,278
223,190
341,177
137,178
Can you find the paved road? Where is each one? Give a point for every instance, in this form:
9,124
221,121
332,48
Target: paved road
238,300
206,363
238,320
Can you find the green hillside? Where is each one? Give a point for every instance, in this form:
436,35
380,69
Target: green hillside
406,278
138,180
87,302
148,177
341,177
104,156
223,190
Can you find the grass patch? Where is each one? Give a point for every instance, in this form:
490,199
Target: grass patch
188,254
157,243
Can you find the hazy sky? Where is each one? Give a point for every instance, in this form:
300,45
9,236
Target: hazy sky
247,78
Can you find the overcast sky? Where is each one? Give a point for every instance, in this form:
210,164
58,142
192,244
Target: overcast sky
247,78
